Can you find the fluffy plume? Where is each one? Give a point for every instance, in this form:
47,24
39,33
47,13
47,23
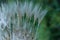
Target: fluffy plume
18,20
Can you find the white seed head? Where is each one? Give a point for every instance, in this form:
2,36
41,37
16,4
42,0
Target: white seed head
8,13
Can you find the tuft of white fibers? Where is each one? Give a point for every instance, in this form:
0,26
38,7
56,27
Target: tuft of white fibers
18,21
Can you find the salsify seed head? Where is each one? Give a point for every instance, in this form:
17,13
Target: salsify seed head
21,19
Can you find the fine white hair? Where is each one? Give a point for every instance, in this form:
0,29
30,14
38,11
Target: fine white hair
7,16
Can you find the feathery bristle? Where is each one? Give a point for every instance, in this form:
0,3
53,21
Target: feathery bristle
16,20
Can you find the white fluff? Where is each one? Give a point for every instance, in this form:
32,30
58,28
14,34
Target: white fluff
9,10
